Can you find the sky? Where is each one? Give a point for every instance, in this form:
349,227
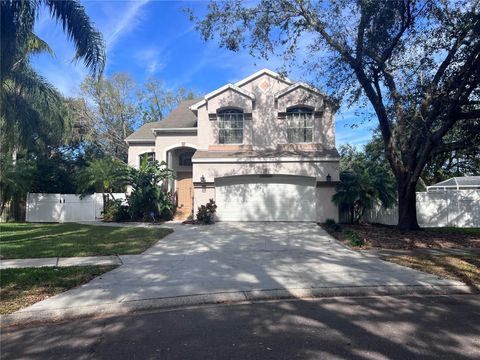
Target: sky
148,38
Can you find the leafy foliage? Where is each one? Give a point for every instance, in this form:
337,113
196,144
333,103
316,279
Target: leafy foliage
155,102
31,109
149,200
116,210
353,238
363,181
104,175
206,213
107,112
15,179
415,62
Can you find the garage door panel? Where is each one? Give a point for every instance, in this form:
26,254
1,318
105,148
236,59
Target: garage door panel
265,199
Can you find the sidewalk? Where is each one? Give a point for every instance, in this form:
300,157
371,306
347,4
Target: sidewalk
117,260
60,262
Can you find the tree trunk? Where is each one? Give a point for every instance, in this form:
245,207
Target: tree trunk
407,205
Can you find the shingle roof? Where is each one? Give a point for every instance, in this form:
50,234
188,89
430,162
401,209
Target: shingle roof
180,117
324,153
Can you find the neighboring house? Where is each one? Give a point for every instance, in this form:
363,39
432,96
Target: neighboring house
263,148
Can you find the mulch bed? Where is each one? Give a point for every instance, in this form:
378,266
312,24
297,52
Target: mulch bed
389,237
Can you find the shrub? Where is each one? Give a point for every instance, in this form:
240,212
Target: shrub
353,238
331,224
149,200
206,213
116,211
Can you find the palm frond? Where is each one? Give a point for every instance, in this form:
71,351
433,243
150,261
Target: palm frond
88,41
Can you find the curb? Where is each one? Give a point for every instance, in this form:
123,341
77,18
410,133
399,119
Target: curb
236,297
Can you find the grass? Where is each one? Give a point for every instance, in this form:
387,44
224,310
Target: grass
465,268
25,240
26,286
455,230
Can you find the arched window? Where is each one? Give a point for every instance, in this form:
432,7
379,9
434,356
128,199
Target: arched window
230,126
185,159
299,125
148,156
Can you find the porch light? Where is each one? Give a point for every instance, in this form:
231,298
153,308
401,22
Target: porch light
329,178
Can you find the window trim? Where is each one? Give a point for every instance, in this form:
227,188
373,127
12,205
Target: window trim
230,111
146,154
303,110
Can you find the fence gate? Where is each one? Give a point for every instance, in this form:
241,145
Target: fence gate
60,208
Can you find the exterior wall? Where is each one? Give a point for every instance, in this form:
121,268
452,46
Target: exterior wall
165,141
136,149
265,130
320,170
201,197
323,129
208,129
326,209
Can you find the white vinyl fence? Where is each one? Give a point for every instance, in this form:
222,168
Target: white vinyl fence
457,208
65,207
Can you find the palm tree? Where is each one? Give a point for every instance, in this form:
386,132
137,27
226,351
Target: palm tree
15,178
31,108
363,182
105,175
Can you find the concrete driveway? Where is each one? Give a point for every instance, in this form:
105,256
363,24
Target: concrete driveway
238,257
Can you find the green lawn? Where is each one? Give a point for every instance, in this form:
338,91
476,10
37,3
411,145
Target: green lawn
24,240
23,287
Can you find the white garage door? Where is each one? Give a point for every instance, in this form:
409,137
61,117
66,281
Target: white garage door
256,198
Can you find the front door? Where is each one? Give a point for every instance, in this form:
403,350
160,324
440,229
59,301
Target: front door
185,195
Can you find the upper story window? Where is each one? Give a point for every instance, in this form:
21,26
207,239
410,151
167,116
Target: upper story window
149,156
230,126
300,125
185,159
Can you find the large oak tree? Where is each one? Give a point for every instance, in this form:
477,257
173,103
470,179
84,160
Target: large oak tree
416,62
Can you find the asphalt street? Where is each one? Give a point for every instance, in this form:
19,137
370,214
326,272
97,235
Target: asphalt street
429,327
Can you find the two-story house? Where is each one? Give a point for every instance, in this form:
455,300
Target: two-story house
263,148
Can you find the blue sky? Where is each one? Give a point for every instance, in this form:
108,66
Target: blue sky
155,38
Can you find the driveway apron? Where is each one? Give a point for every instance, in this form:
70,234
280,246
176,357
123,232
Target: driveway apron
231,257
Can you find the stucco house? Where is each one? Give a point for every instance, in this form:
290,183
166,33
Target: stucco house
263,148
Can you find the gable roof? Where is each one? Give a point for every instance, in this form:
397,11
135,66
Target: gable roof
180,117
260,73
237,86
296,86
219,91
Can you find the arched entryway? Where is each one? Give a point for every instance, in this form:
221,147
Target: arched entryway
179,159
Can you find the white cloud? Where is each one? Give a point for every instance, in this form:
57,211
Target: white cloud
149,59
126,22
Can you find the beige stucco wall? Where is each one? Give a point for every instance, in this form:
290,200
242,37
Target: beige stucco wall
136,149
208,129
167,141
314,169
201,197
326,209
265,130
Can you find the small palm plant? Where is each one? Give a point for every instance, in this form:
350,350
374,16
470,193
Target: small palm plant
363,183
105,175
